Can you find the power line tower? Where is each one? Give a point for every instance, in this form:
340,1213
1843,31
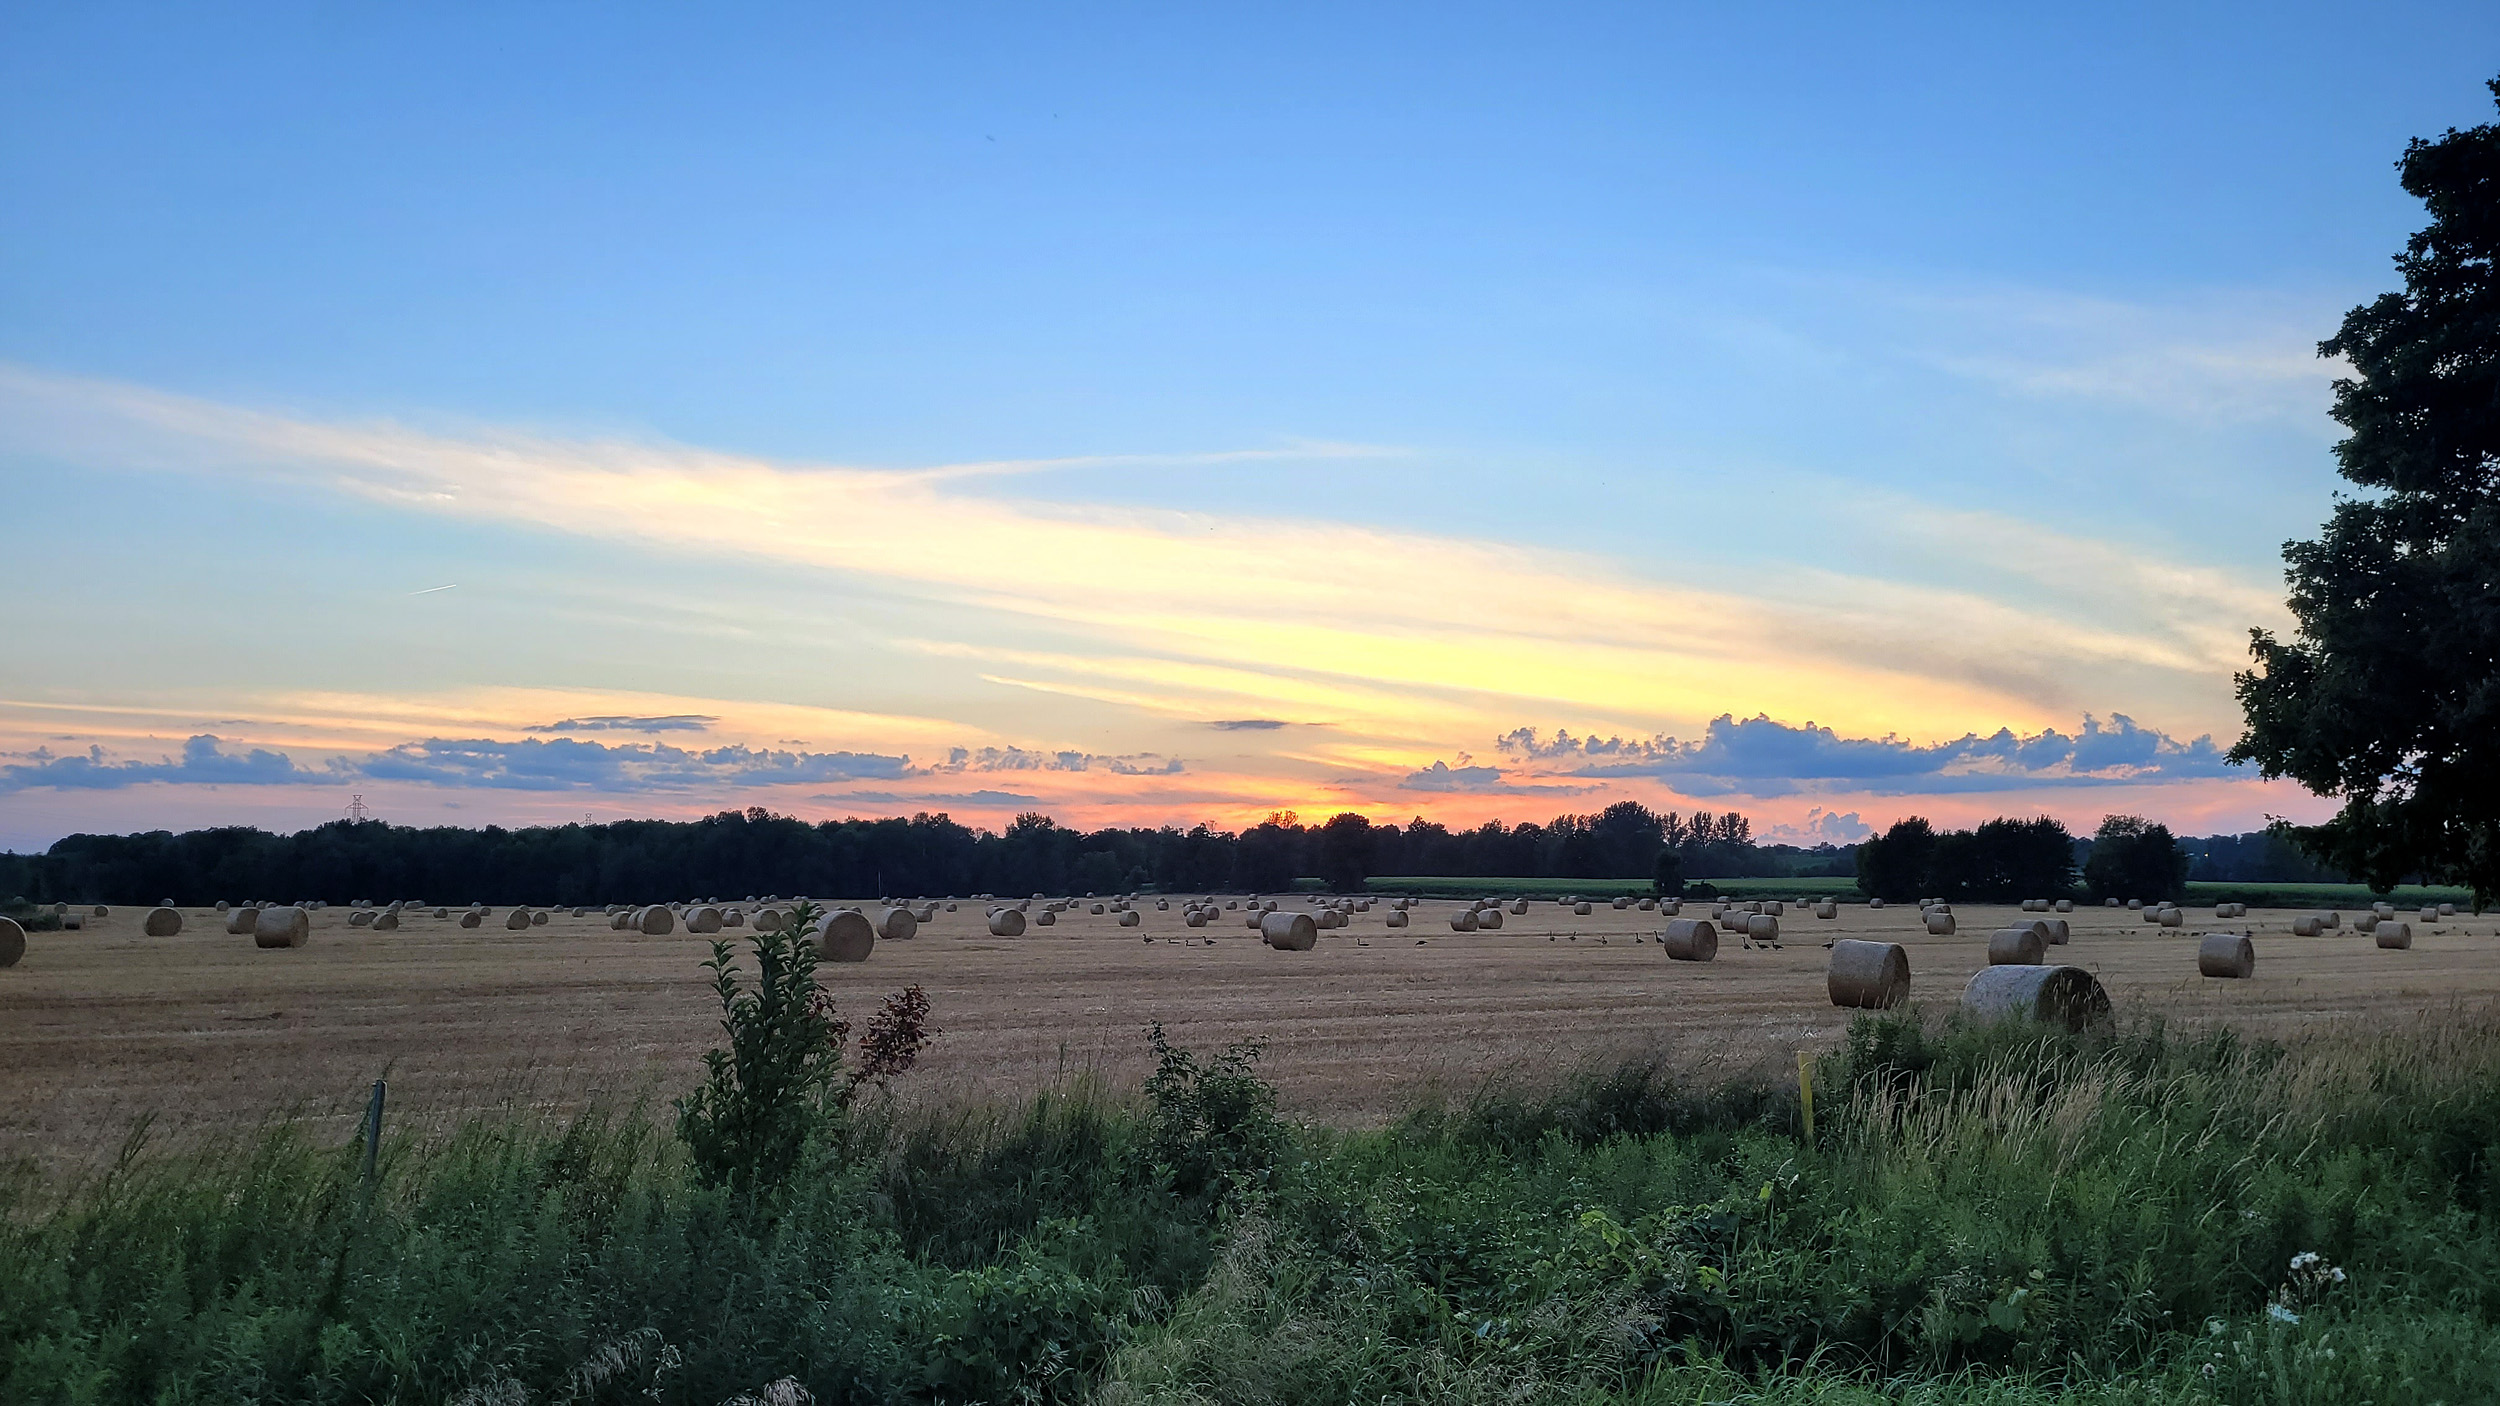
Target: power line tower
357,810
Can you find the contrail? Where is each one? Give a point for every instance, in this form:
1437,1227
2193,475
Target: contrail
432,589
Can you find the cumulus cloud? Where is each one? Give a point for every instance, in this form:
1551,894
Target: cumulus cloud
679,722
1761,757
961,759
203,763
565,764
1821,827
1476,780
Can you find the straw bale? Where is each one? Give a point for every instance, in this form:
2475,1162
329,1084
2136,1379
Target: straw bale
281,927
12,942
2394,934
1009,922
1131,918
1463,920
1827,909
2065,905
1762,927
1874,903
1868,975
1043,919
2058,933
1581,909
2225,954
472,918
843,936
1396,918
656,921
164,922
2016,947
1289,932
1692,940
2173,918
2067,996
386,922
1939,924
2308,925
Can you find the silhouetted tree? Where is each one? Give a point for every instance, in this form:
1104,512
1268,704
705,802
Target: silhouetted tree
2134,858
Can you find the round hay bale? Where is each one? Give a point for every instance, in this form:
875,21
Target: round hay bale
2065,905
1775,908
705,919
1132,918
239,921
2225,954
843,936
2058,933
73,922
387,922
12,942
2383,908
1692,940
733,918
1874,903
950,907
281,927
619,922
1163,905
2393,934
472,918
1581,909
2172,918
222,905
1519,909
1671,906
1621,903
163,922
359,918
1396,918
1939,924
1043,919
1871,976
1009,922
1827,909
2308,925
1463,920
2367,922
101,912
1762,927
1648,905
1096,910
518,920
1195,917
538,917
2066,996
2429,914
656,921
1490,918
2446,910
442,912
1289,932
2016,947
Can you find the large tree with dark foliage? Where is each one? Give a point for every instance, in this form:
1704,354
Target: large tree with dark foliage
2389,695
2134,858
2002,858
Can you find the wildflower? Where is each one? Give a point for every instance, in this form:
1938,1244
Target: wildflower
2337,1275
2280,1314
2209,1369
2305,1259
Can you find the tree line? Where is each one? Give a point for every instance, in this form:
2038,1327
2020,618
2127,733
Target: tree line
756,851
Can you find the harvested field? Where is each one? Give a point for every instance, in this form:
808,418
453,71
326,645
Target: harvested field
102,1026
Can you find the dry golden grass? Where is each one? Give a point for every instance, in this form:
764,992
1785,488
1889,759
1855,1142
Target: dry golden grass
100,1027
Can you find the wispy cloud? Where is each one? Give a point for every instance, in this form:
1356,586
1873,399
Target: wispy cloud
962,759
1445,779
1248,724
566,764
681,722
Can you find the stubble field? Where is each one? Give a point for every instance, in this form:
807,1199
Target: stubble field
103,1028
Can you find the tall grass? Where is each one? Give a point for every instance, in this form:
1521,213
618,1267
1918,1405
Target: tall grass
1986,1216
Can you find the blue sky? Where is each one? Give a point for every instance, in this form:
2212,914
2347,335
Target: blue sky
1920,374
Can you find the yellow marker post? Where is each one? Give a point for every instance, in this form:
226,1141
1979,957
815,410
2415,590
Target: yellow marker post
1805,1091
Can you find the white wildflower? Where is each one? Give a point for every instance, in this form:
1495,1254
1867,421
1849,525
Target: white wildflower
2280,1314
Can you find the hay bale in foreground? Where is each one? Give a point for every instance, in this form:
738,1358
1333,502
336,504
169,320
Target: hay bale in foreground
281,927
843,936
2017,947
2393,934
1290,932
2058,933
1691,940
2226,954
2066,996
12,942
163,922
1007,922
1871,976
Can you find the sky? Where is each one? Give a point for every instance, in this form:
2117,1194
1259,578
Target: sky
1164,415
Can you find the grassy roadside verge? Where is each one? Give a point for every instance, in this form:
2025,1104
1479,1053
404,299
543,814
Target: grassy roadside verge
1983,1215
